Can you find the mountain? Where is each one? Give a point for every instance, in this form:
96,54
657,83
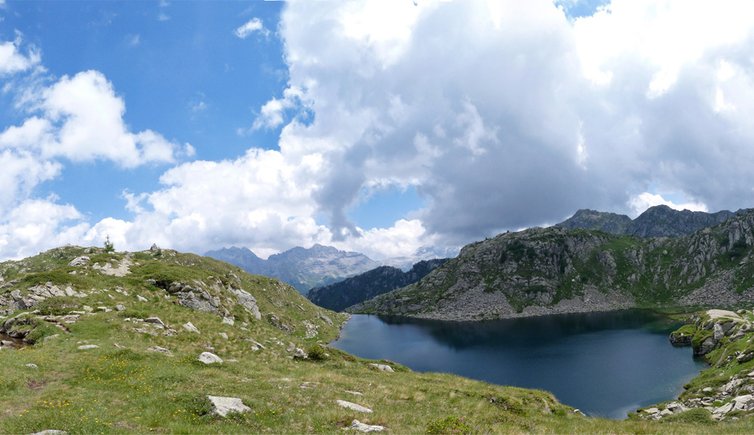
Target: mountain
359,288
657,221
300,267
559,270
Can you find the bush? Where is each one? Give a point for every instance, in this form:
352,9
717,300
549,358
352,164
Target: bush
317,352
449,425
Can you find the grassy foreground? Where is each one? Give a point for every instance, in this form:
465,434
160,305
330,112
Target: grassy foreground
124,387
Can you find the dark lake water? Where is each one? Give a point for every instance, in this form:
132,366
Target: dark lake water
606,364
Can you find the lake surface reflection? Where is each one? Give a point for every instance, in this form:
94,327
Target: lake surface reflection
605,364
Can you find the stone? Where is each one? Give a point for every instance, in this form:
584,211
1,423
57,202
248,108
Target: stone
300,354
675,407
223,406
326,319
362,427
79,261
707,346
31,366
745,357
223,335
51,432
161,350
651,410
707,390
141,298
717,332
120,307
355,393
717,314
188,326
353,406
210,358
247,301
228,321
743,403
154,320
382,367
88,346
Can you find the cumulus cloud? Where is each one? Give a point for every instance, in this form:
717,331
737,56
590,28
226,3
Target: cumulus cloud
643,201
501,115
252,26
13,60
80,118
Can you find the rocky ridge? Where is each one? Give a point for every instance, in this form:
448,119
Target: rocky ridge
657,221
556,270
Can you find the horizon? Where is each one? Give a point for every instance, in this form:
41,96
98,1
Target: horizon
272,125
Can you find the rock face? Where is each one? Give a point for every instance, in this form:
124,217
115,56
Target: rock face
300,267
223,406
658,221
359,288
558,270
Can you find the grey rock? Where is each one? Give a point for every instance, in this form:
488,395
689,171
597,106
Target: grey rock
88,346
717,332
223,335
745,357
120,307
141,298
362,427
353,406
210,358
188,326
223,406
51,432
161,350
155,320
248,302
79,261
228,321
31,366
382,367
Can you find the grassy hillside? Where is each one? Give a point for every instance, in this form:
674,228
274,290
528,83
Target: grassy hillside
143,374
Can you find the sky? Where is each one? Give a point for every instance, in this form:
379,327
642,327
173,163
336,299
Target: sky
388,127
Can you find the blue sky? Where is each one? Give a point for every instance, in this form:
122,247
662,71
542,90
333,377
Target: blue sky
387,127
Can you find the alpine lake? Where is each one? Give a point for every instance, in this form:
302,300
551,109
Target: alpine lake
605,364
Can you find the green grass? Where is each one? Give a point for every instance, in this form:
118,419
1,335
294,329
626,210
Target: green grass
122,387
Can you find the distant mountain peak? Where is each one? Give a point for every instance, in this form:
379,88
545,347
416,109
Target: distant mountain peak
303,268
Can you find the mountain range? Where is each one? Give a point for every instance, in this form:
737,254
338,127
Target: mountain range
566,268
657,221
356,289
302,268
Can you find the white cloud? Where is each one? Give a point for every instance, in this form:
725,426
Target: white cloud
81,118
639,203
251,26
12,60
272,113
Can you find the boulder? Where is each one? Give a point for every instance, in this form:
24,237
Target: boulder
382,367
354,406
717,332
188,326
155,320
79,261
362,427
223,406
745,357
247,301
210,358
705,347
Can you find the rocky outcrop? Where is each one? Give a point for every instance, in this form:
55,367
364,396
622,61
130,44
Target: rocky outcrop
724,339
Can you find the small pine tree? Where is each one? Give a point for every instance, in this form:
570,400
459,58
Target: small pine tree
109,247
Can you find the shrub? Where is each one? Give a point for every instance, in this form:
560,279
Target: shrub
317,352
449,425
